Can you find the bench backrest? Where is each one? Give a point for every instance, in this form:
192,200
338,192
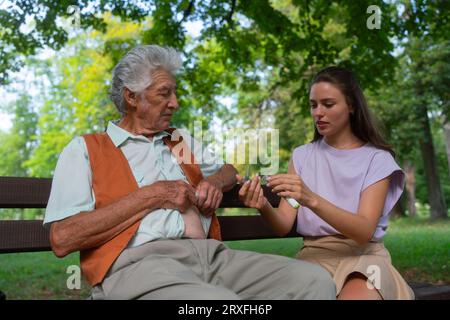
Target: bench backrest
30,235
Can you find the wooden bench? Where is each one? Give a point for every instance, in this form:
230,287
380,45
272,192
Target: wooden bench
31,236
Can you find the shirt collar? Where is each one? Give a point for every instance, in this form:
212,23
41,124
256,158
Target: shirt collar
119,135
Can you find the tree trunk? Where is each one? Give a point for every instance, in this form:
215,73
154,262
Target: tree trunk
435,196
410,171
447,140
398,211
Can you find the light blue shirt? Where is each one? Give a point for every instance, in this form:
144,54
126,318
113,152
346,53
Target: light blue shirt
149,160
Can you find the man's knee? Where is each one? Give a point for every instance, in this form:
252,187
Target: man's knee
325,283
315,281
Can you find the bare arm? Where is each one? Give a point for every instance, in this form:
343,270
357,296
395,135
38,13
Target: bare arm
90,229
359,227
225,178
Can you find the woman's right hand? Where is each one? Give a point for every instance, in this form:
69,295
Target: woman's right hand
251,193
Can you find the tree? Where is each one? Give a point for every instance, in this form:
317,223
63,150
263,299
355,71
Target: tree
437,81
392,106
419,78
418,91
261,54
76,100
232,23
17,145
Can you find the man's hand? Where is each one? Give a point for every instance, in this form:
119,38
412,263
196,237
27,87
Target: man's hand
209,195
177,194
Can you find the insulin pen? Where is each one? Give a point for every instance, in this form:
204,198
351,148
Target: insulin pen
294,203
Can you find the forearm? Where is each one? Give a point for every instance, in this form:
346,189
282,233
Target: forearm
353,226
225,178
280,223
91,229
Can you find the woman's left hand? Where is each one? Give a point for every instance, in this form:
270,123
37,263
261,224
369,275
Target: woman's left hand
291,185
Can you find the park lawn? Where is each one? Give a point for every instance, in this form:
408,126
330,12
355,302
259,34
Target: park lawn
38,275
420,250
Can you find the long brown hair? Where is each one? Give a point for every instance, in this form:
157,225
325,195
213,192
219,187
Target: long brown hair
362,122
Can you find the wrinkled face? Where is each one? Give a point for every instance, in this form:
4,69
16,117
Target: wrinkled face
156,105
329,109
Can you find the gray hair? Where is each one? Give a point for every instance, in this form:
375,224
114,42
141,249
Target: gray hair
134,70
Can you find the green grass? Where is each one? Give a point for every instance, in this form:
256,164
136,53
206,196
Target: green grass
420,250
38,275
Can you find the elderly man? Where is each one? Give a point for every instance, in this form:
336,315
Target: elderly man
143,217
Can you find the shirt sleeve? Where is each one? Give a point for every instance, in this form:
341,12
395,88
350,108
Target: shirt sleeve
205,157
382,166
71,190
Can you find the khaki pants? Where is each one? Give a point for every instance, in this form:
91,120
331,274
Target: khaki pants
341,257
207,269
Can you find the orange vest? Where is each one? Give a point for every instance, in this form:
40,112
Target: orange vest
113,179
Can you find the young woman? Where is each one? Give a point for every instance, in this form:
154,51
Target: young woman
346,181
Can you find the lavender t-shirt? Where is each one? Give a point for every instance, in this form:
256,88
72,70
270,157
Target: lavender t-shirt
340,176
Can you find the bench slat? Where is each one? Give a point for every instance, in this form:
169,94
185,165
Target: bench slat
24,192
427,291
30,235
23,236
19,192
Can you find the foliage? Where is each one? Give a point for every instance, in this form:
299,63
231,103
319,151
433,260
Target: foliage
77,99
258,55
242,28
17,144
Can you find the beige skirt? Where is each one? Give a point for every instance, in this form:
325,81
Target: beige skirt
342,256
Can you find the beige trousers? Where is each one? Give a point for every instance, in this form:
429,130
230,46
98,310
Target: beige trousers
341,257
206,269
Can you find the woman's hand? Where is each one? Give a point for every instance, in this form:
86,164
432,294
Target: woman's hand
251,193
291,185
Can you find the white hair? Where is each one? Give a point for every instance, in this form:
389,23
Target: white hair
134,70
